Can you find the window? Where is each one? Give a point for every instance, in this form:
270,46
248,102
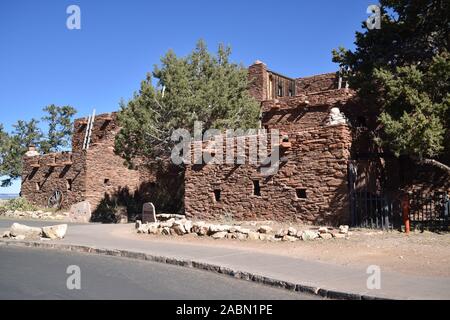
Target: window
217,195
301,193
256,188
69,184
280,90
106,181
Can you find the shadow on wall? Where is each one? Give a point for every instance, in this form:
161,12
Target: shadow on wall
166,192
122,205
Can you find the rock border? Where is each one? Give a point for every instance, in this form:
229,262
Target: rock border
237,274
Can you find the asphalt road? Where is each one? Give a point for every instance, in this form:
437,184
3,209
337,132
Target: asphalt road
41,275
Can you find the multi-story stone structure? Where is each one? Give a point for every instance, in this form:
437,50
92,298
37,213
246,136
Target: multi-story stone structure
323,129
89,174
311,183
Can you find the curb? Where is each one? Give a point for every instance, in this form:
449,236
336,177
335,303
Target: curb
242,275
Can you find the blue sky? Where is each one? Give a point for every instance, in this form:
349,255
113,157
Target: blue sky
43,62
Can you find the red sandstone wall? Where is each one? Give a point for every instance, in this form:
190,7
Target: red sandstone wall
69,179
317,162
322,82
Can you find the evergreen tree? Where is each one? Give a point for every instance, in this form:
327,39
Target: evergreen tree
402,72
59,127
200,87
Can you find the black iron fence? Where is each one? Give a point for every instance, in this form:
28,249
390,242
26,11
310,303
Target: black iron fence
379,211
429,211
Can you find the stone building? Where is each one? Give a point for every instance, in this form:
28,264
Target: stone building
323,130
90,173
311,183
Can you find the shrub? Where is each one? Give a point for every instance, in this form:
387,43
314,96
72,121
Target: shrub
17,204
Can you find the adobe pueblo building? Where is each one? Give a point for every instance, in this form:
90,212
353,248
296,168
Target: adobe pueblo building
311,182
324,138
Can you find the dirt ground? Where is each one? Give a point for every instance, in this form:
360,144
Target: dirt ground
420,253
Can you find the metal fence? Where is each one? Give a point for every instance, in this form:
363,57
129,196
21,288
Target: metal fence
377,211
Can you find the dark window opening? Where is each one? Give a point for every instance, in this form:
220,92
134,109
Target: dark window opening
106,181
256,188
69,184
291,93
301,193
217,195
280,90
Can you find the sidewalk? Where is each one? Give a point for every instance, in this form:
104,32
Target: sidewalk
321,278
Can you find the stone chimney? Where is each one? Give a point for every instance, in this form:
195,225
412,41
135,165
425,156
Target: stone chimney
258,78
32,152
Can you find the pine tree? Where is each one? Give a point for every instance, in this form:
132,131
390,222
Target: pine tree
200,87
402,72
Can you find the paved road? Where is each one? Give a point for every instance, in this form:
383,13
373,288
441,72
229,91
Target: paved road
41,274
351,279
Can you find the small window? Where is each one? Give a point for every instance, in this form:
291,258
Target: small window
69,184
217,195
301,193
256,188
291,93
280,90
106,181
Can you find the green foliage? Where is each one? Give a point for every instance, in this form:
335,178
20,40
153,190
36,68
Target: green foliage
402,72
59,127
15,144
17,204
199,87
14,147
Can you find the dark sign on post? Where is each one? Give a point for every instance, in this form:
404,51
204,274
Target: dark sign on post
148,213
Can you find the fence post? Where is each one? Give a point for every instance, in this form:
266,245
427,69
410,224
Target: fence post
405,212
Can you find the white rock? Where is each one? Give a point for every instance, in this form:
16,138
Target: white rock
325,236
290,238
29,232
309,235
165,231
339,235
343,229
241,236
188,226
79,212
253,235
200,228
265,229
281,233
323,230
138,224
219,228
244,231
19,237
291,231
219,235
55,232
178,229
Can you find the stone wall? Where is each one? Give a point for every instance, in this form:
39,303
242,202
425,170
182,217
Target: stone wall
310,187
96,174
317,83
42,175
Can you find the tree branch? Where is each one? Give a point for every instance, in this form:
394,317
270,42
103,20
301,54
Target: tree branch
433,163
